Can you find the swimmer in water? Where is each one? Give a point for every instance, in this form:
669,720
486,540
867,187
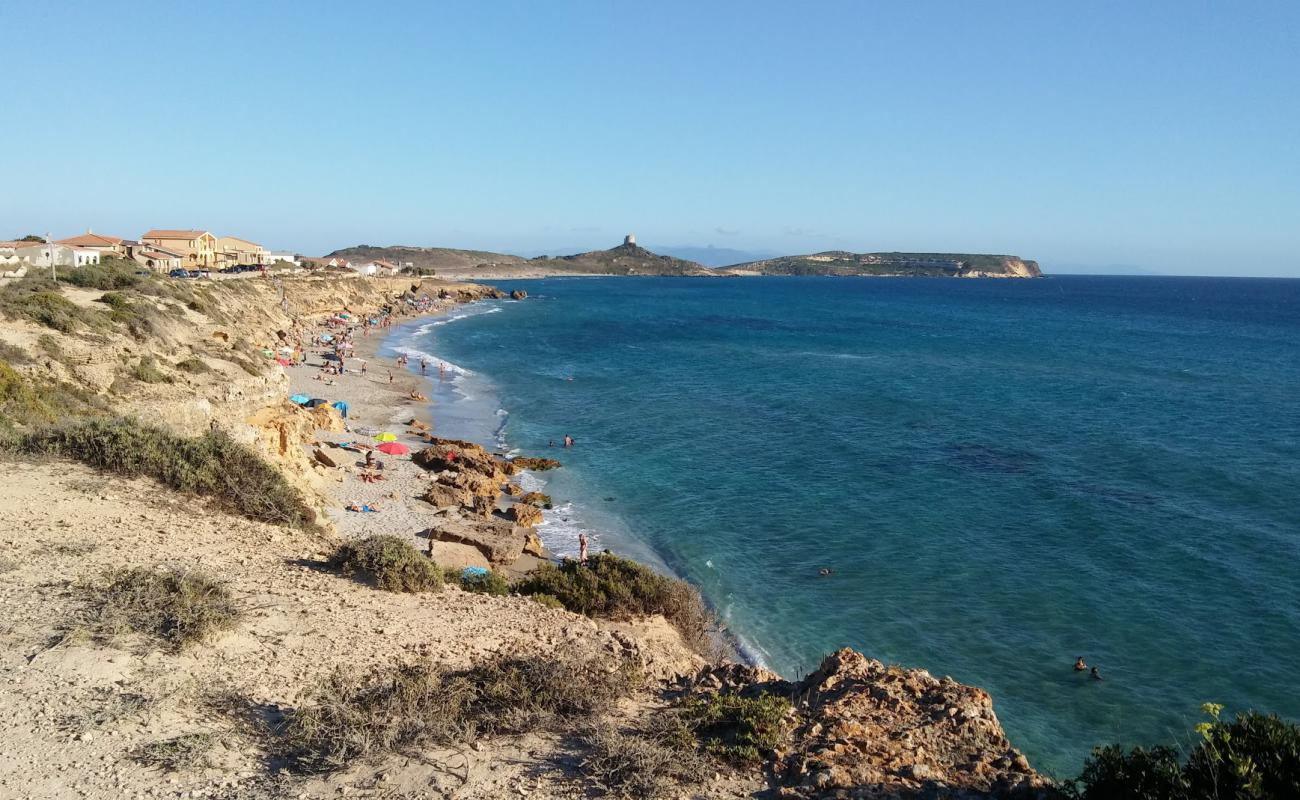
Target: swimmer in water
1079,665
824,571
1096,676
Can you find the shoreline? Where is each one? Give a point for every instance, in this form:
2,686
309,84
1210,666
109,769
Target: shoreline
391,406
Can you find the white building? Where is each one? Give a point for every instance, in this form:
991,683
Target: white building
376,267
42,254
284,255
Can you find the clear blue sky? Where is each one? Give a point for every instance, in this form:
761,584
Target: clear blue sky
1158,134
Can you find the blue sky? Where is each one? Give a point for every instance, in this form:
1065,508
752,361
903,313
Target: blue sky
1162,134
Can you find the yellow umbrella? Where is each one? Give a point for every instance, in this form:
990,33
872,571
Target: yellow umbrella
386,437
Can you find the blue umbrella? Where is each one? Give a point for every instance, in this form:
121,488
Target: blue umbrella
299,399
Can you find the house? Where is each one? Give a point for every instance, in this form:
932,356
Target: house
45,254
376,267
157,258
199,248
11,266
106,245
281,255
233,251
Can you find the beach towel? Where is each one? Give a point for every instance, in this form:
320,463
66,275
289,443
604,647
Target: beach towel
299,399
474,572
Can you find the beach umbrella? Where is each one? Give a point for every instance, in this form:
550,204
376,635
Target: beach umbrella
342,407
299,399
393,449
316,401
386,437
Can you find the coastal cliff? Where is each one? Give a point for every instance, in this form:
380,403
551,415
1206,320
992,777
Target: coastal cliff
106,715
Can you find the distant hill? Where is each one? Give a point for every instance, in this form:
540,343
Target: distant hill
626,259
938,265
438,258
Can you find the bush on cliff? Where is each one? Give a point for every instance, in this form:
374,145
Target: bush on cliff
740,729
407,706
212,465
619,588
109,273
1252,757
392,562
37,299
26,401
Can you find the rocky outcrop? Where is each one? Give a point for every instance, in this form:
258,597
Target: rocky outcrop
524,514
518,294
863,729
535,464
536,499
500,541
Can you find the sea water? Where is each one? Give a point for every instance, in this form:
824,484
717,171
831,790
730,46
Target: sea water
1001,475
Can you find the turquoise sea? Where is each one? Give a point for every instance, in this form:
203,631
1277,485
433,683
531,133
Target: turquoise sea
1003,475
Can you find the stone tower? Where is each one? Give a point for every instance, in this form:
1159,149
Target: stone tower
629,240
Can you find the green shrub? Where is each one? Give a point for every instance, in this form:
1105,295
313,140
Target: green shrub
38,300
491,582
392,562
619,588
14,354
146,371
193,365
548,600
173,607
1253,757
109,273
736,728
212,465
405,706
27,401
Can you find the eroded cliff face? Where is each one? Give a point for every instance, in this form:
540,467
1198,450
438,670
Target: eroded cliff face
1011,268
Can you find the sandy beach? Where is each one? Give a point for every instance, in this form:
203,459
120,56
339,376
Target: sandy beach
384,397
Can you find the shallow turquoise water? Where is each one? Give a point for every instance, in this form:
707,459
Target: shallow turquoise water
1003,474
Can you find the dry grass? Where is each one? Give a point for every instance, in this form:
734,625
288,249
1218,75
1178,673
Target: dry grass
185,752
172,608
650,762
395,708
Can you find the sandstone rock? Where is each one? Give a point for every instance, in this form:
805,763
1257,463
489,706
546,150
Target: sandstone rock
518,294
536,464
324,458
441,495
498,540
524,514
513,489
536,499
533,545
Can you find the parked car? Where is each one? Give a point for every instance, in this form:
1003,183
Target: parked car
179,273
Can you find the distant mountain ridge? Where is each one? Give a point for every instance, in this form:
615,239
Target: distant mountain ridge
942,265
630,258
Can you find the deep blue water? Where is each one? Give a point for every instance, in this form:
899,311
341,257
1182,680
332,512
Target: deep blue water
1003,475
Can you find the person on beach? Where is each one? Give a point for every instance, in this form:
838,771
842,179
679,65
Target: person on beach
1079,664
424,366
363,369
390,376
442,370
582,548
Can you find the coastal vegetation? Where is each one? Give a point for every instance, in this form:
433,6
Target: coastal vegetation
619,588
170,607
391,562
1250,757
212,465
395,707
737,728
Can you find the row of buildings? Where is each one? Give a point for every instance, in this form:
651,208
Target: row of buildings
163,250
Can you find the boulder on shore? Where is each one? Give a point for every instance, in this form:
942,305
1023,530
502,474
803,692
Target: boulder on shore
524,514
500,541
518,294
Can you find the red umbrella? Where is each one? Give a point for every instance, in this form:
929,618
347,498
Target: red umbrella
393,449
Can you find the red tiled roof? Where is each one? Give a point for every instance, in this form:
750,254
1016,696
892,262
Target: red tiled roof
166,233
89,239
